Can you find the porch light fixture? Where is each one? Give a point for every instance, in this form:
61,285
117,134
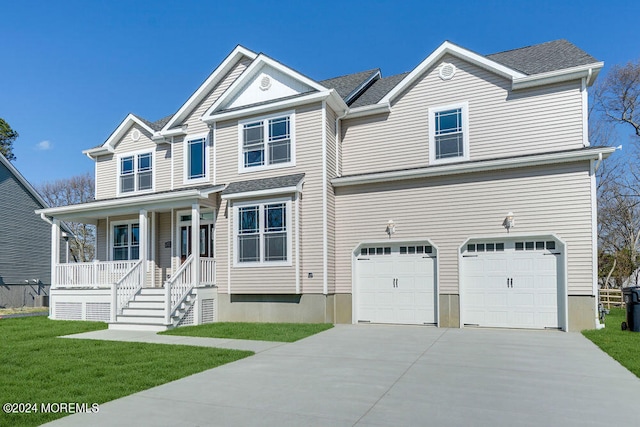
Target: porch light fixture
391,228
509,221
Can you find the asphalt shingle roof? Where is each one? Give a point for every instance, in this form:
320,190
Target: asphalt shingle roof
544,57
378,90
263,184
346,85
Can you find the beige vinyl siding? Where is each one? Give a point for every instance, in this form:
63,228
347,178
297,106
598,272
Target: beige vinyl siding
197,126
163,254
107,169
331,173
308,137
101,240
502,123
448,210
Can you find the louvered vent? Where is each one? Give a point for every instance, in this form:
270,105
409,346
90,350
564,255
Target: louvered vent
68,311
208,310
447,71
99,311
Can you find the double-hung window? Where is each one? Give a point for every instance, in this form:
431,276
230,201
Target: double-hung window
263,233
266,142
126,243
196,156
448,133
136,172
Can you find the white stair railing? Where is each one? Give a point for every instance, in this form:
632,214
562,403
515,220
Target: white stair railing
178,287
207,271
125,289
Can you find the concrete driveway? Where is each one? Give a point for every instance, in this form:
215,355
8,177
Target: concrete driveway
374,375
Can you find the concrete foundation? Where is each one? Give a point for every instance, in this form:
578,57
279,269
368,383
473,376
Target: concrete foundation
582,313
309,308
343,308
449,310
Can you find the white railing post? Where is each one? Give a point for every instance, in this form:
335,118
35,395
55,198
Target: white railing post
167,299
55,250
95,272
114,302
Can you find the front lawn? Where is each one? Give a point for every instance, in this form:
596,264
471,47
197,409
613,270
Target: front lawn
38,368
283,332
621,345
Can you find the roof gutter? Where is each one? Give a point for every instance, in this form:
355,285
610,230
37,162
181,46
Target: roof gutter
482,166
368,110
588,72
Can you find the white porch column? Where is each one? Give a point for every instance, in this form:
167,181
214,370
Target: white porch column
55,250
195,241
143,243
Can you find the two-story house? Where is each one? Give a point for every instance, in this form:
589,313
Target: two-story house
460,193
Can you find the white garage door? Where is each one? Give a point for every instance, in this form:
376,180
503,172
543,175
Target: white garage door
511,284
396,284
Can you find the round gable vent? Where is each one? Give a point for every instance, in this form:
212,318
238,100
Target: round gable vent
135,135
265,83
447,71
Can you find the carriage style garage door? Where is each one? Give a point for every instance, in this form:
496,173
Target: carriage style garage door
396,284
511,284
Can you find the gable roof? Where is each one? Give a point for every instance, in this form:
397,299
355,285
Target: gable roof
350,86
378,90
109,145
12,169
543,58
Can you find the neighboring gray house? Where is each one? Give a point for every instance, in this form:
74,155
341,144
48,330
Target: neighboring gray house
459,194
25,242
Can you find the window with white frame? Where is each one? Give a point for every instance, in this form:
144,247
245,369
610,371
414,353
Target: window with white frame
126,243
196,156
448,133
266,142
263,233
136,172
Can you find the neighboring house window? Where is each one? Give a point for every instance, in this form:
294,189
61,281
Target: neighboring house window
448,133
126,242
267,142
196,157
263,233
136,172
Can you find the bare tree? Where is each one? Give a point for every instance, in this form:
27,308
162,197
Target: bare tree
70,191
620,95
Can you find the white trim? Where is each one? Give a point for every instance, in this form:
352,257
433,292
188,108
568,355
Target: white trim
135,155
185,158
464,107
457,51
358,90
229,244
214,78
214,170
261,204
585,113
325,242
261,193
480,166
152,249
297,232
368,110
172,148
129,222
259,62
116,136
265,143
589,71
594,239
354,274
563,281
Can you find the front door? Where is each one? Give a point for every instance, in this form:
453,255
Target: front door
206,241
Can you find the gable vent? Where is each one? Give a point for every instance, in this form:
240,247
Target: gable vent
135,135
447,71
265,83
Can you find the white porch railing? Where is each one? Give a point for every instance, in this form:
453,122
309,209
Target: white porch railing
97,273
177,287
125,289
207,271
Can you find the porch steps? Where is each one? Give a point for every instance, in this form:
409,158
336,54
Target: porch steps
145,312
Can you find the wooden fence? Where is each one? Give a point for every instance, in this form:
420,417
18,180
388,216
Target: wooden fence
611,298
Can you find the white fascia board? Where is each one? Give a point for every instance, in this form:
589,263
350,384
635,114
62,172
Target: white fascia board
588,71
368,110
213,79
460,52
335,101
263,193
375,76
265,108
131,202
260,61
109,145
482,166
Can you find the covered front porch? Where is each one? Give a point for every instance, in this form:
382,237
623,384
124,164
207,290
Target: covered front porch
155,262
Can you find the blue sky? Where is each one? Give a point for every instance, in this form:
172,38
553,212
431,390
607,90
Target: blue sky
72,70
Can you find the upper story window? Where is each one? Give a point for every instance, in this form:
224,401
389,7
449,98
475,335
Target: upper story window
449,133
136,172
196,157
266,142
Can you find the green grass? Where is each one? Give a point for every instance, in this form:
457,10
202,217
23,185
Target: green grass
282,332
37,367
621,345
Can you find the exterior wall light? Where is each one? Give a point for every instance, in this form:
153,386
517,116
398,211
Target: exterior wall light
391,227
509,221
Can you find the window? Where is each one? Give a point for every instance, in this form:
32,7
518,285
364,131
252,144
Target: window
266,142
126,242
263,233
448,133
136,172
196,157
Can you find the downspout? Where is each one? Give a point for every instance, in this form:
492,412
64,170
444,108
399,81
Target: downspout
338,141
